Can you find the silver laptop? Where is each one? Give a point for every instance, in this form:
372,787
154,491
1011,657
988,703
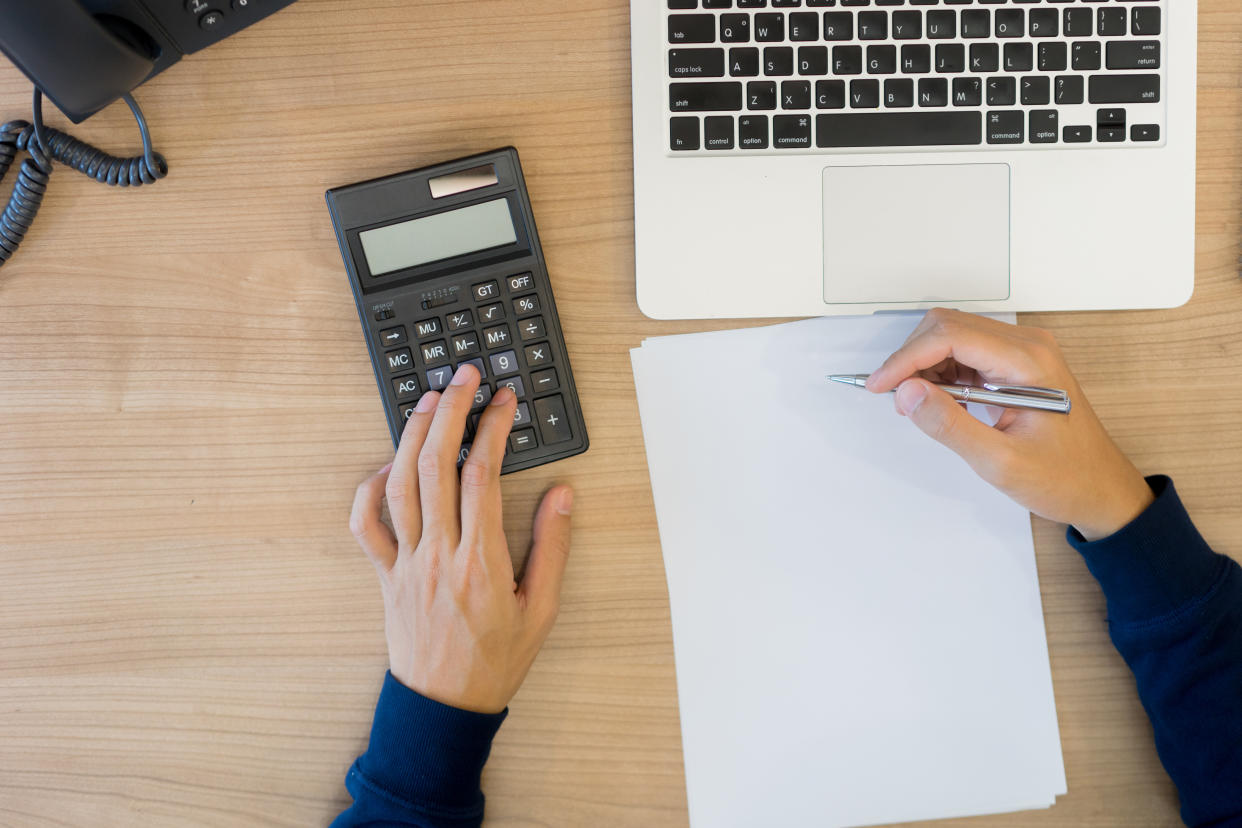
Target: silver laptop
812,157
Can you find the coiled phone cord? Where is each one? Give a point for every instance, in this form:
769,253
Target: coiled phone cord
42,144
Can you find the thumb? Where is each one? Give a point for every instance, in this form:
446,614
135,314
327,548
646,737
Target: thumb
947,421
541,585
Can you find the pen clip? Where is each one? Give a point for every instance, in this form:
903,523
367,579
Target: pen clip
1029,390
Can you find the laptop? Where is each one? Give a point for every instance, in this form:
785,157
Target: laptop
817,157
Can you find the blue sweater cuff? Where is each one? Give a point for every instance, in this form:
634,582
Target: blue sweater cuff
426,754
1156,564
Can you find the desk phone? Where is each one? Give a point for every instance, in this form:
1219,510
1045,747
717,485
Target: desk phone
446,268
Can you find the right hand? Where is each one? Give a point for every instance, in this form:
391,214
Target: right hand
1061,467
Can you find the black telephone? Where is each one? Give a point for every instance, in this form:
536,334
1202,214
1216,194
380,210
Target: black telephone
85,54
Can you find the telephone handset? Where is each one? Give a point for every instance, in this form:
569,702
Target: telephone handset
83,55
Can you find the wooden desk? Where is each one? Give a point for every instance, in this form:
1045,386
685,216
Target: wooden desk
188,634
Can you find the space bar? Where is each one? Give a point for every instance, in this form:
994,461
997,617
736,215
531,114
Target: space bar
899,129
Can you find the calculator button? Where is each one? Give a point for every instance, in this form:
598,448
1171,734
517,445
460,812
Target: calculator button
405,387
463,453
438,378
504,362
434,352
514,384
531,328
399,360
492,313
539,354
407,410
526,304
472,426
465,345
523,282
391,337
426,328
485,291
521,416
482,396
457,321
553,423
496,337
544,380
477,363
523,440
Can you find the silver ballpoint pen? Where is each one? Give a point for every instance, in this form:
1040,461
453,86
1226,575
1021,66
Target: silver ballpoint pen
1006,396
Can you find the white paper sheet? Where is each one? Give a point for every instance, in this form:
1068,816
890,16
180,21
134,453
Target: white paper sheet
856,616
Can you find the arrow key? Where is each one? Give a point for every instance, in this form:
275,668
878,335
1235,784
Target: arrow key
392,337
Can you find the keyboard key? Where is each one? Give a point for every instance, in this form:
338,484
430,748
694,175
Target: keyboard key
769,27
778,61
691,28
1145,21
796,95
402,360
830,94
899,129
761,95
933,92
503,363
526,304
1044,126
1145,132
1010,23
696,63
1104,89
1002,91
1068,89
791,131
813,60
734,28
532,328
1133,54
390,337
718,132
1035,91
1076,134
553,421
522,440
865,94
1111,21
405,387
1005,127
838,26
744,62
899,93
847,60
543,381
967,92
719,96
536,355
752,132
1078,23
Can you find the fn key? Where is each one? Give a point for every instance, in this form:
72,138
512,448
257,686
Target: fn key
553,424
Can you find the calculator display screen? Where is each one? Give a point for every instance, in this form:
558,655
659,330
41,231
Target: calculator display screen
442,236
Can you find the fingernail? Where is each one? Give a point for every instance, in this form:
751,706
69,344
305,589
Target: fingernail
462,375
566,505
503,393
427,402
910,395
870,383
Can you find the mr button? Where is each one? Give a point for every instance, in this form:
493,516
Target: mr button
553,424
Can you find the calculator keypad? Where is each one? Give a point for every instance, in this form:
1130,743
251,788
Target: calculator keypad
483,336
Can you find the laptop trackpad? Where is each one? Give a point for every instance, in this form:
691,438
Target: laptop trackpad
930,233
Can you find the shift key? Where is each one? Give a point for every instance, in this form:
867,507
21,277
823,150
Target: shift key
553,423
1119,89
724,96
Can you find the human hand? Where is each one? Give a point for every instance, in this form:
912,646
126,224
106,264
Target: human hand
1062,467
460,630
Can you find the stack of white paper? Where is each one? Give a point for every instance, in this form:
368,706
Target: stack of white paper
856,616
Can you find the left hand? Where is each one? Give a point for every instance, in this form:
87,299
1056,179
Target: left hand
460,630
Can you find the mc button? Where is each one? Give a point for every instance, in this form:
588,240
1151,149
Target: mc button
400,360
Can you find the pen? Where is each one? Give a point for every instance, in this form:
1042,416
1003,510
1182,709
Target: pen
1006,396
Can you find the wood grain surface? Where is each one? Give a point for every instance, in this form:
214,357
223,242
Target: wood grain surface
188,634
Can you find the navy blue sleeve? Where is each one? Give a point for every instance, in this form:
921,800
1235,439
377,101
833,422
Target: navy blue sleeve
1175,614
422,766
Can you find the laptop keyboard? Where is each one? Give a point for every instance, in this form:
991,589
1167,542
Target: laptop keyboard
781,76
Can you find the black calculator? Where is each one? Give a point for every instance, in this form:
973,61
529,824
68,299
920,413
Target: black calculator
446,269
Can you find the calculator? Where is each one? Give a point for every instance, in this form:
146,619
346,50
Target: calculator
446,269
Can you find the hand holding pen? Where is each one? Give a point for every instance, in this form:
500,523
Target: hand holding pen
1065,468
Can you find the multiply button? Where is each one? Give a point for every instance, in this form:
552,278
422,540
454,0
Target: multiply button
553,424
526,304
537,355
405,387
400,360
485,291
531,328
523,282
392,337
435,352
